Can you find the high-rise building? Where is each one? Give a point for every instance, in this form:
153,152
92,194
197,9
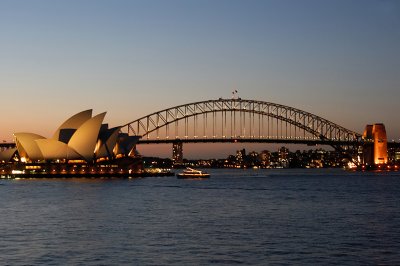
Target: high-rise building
240,155
265,158
284,157
177,152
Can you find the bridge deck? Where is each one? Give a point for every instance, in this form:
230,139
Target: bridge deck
311,142
247,140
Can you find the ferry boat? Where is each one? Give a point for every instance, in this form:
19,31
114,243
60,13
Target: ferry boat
192,173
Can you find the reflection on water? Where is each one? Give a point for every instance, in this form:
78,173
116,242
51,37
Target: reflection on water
237,216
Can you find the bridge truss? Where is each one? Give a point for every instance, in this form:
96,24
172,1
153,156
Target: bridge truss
242,120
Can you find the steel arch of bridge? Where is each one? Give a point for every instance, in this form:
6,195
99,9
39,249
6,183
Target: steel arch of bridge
228,114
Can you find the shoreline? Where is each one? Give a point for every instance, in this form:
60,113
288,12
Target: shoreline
85,175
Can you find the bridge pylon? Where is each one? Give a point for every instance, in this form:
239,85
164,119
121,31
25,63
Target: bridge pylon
375,150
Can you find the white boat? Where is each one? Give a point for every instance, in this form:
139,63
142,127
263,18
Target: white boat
192,173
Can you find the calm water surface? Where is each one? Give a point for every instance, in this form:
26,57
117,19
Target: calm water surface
256,217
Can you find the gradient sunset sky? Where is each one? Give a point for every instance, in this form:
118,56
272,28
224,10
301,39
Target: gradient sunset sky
337,59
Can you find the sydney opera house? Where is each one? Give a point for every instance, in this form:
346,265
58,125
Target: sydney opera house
81,144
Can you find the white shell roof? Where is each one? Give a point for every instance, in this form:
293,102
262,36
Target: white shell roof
85,137
27,146
74,122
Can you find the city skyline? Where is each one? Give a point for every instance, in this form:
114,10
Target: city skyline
338,60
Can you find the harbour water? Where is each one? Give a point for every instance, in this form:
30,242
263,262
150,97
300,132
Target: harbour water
251,217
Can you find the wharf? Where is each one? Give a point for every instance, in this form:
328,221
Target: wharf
84,175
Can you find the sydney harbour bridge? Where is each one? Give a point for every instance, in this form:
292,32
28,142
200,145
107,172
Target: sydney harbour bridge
239,120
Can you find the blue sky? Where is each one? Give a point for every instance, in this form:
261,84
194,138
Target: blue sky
336,59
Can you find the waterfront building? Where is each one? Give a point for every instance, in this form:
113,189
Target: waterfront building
397,156
240,155
265,158
80,139
283,157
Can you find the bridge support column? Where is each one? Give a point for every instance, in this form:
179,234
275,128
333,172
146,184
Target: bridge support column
375,151
177,152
